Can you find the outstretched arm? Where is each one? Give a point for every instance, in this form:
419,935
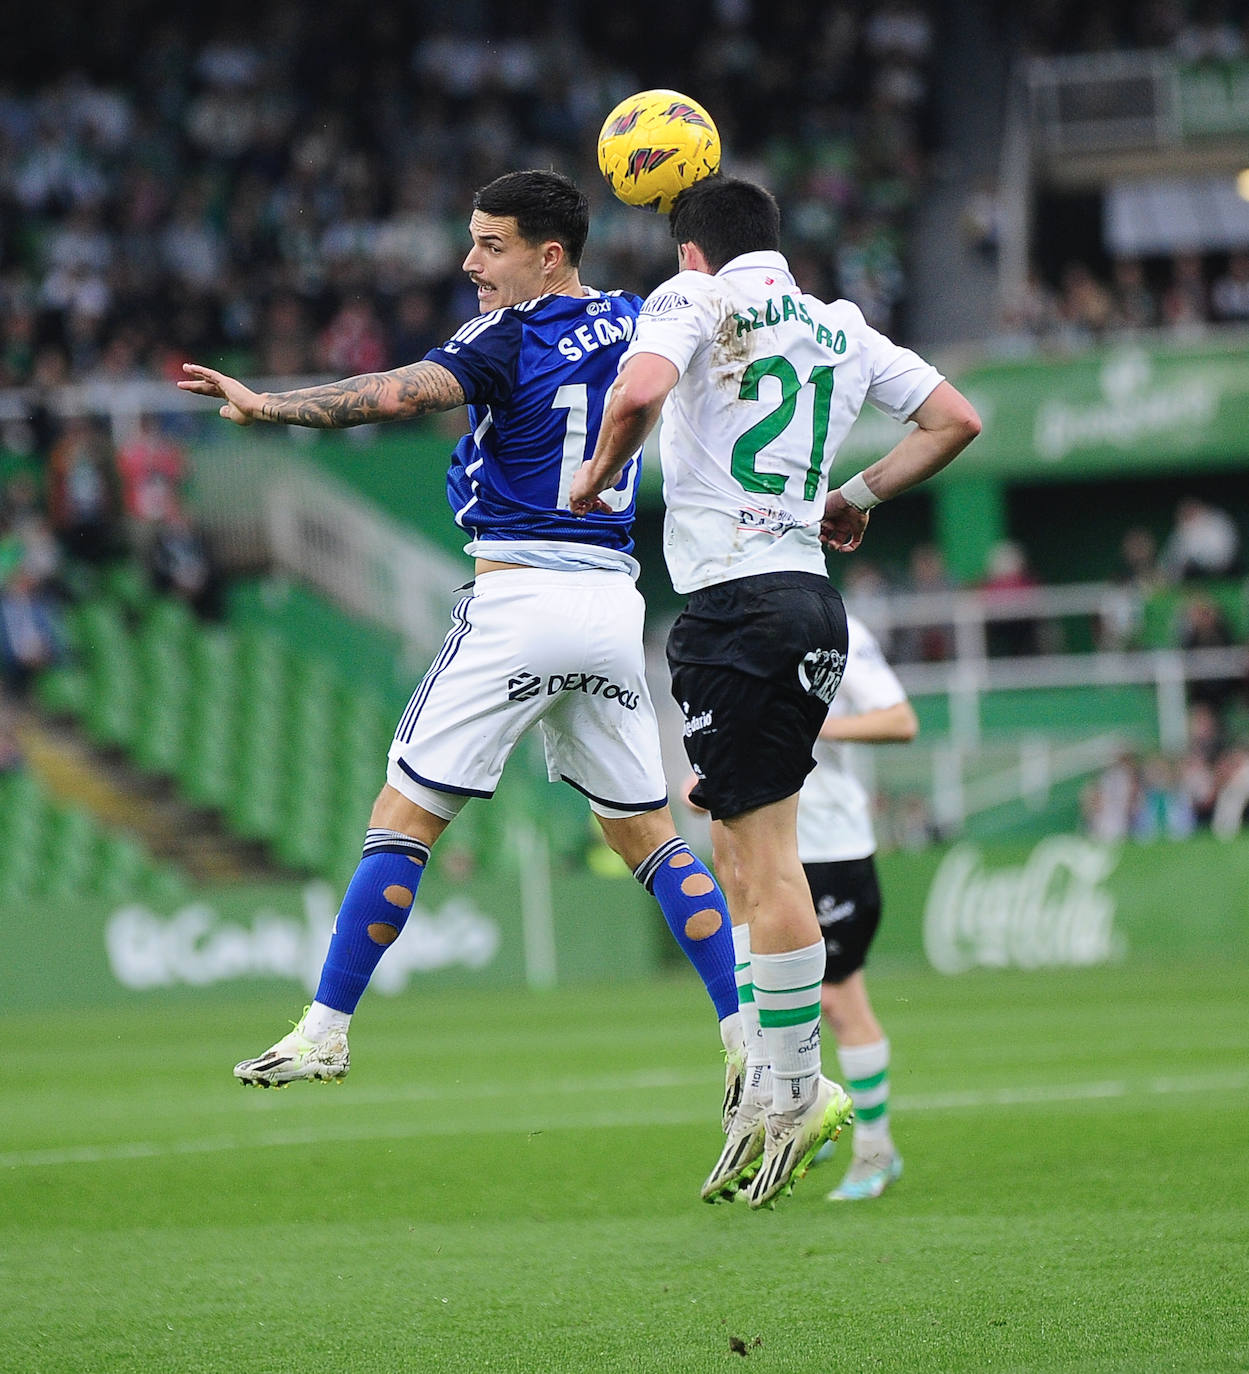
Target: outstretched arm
402,394
944,425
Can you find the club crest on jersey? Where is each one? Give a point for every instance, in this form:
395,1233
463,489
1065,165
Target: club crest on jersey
647,159
820,673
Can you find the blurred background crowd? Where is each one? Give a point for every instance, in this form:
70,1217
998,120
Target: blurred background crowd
285,195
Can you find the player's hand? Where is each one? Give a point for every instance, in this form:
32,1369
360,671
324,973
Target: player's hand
843,524
689,785
242,406
583,499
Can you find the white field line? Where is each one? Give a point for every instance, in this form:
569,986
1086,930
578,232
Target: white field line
536,1124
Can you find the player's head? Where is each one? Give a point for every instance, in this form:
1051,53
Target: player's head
528,230
724,217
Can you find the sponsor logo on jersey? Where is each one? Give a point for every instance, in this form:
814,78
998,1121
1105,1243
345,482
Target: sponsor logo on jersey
593,685
693,724
598,308
522,686
830,910
820,673
773,522
665,303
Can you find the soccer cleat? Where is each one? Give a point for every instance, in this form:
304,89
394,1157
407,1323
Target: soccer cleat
868,1176
792,1140
734,1082
740,1157
296,1057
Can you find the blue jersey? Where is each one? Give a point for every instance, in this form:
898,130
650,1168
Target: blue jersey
536,378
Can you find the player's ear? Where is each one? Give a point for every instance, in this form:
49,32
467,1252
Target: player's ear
553,256
692,258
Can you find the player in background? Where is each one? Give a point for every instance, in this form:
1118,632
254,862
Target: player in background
836,843
550,635
759,383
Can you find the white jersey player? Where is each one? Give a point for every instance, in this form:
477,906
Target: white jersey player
759,383
836,843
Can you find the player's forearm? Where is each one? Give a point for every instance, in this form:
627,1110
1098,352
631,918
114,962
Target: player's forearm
623,432
891,724
373,397
915,458
944,425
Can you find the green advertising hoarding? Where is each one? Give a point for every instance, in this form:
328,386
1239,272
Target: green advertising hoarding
1113,411
1064,901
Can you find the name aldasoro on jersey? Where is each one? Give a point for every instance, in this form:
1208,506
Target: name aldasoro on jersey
777,311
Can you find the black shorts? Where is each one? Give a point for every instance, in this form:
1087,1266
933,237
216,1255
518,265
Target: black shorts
755,663
847,903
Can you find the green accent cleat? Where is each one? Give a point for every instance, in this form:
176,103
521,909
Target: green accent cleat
868,1176
734,1084
740,1157
792,1140
295,1057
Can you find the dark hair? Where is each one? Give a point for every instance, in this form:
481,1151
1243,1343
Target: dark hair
725,216
545,205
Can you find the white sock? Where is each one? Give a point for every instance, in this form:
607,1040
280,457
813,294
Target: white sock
320,1020
787,993
865,1072
731,1035
758,1085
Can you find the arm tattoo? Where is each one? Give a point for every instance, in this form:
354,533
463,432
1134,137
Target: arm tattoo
402,394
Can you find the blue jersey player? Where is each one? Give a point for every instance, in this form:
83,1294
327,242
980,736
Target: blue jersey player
550,637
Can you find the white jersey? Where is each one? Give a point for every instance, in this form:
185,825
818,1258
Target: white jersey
834,809
771,381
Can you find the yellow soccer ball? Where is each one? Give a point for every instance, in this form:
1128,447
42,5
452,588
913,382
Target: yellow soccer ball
655,144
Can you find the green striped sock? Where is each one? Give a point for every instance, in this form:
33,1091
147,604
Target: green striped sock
787,993
865,1069
758,1075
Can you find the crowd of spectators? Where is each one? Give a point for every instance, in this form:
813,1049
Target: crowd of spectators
92,507
291,196
1180,297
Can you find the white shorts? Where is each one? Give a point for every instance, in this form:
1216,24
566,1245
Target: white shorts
562,650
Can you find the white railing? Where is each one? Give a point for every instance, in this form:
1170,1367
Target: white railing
263,507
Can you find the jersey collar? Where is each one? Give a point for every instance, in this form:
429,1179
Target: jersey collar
758,262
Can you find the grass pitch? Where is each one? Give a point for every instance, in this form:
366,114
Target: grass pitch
510,1182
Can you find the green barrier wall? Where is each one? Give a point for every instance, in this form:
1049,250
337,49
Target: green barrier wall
1061,901
535,928
1065,900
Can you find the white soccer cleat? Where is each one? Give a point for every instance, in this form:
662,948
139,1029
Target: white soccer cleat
868,1176
296,1057
792,1140
734,1084
740,1157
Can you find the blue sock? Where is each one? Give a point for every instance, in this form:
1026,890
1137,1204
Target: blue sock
374,911
697,915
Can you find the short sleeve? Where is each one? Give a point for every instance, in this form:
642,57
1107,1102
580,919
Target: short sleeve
900,380
676,319
481,355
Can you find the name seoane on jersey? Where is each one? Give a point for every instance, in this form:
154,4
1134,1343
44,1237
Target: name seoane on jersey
588,338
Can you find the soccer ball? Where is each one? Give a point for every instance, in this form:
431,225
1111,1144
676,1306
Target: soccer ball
655,144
